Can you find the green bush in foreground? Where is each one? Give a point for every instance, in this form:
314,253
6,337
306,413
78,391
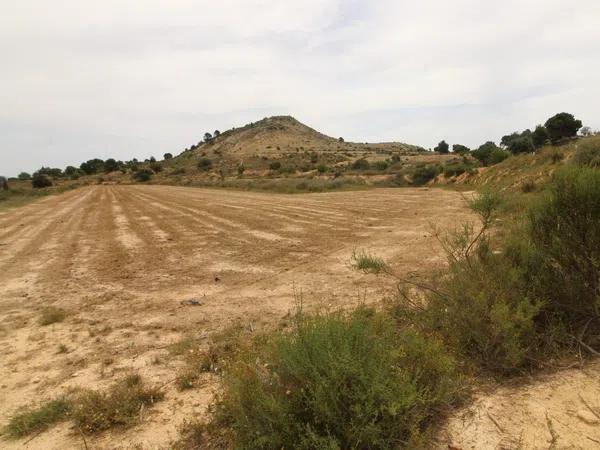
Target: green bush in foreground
530,296
337,381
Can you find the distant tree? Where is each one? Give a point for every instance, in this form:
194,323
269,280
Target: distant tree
51,172
111,165
3,184
484,153
70,170
152,159
168,156
508,138
539,136
521,144
561,126
217,133
24,176
241,169
340,139
207,137
40,180
586,131
460,149
92,166
442,147
275,165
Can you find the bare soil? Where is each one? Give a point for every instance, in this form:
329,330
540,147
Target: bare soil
121,259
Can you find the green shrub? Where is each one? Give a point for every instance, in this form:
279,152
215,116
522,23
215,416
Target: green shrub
587,153
424,174
143,175
275,165
205,164
455,168
497,155
508,306
565,230
361,164
40,181
380,165
337,381
38,419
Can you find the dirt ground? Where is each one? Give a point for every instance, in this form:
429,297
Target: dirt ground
121,259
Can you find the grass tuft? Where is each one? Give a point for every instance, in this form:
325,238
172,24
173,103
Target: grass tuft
367,263
52,315
34,420
122,405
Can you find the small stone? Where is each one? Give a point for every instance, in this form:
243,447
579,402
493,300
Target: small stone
586,416
35,380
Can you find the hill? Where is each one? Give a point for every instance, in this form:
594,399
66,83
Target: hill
280,135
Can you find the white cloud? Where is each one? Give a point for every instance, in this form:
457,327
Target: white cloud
128,78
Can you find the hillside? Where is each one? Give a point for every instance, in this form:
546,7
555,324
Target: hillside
280,135
280,153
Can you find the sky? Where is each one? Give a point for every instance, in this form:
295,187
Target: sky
81,79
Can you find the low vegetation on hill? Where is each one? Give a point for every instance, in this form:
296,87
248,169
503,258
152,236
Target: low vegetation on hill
283,155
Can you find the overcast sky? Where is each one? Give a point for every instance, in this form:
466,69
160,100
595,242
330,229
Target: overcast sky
134,78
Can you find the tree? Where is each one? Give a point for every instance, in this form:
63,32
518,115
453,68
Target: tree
485,151
562,125
40,180
110,165
539,136
340,139
521,144
168,156
460,149
508,138
241,169
92,166
152,159
51,172
24,176
70,170
442,147
217,133
207,137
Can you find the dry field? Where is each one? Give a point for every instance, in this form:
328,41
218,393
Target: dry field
121,259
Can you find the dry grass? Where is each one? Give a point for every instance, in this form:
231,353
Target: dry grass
52,315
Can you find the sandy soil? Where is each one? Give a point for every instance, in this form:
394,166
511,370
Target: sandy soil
555,411
121,259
